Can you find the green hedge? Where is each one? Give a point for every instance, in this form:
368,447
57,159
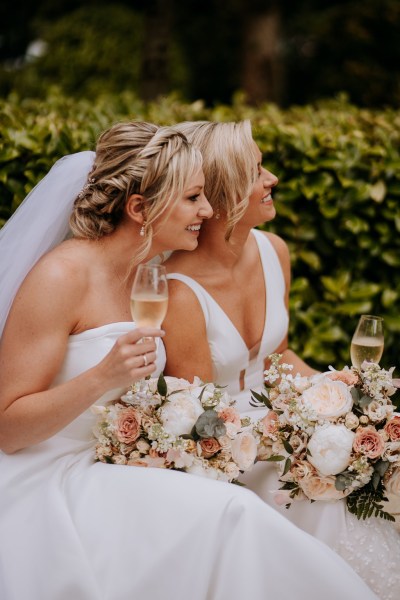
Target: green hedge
337,201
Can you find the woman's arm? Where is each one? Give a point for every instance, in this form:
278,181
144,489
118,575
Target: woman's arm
288,356
33,346
188,353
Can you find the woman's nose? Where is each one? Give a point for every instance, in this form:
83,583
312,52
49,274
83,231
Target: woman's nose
271,180
205,209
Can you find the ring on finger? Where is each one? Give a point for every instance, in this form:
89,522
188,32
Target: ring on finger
144,360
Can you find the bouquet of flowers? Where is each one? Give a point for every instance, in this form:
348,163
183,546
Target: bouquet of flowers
333,435
173,424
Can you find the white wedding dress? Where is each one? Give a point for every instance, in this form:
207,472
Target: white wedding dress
371,547
73,529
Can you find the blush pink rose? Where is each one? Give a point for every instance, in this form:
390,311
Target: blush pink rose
347,377
230,415
128,426
270,424
209,447
392,428
367,441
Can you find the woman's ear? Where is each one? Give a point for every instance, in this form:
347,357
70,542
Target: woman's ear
134,208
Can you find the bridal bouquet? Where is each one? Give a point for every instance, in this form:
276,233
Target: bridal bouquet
173,424
333,435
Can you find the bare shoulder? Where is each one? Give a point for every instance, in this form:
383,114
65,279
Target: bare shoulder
279,244
54,287
64,268
282,250
182,298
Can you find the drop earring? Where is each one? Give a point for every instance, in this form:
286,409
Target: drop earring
217,214
142,230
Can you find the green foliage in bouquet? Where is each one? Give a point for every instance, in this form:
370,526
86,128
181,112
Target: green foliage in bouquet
337,201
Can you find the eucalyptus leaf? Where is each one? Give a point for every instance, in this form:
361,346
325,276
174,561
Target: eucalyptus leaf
162,387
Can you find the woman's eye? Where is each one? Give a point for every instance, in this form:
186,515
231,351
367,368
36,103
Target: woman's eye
194,198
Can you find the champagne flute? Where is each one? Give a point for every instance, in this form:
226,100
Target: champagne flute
149,301
149,296
368,341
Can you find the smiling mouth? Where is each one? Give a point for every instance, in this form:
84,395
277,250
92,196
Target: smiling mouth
193,227
267,198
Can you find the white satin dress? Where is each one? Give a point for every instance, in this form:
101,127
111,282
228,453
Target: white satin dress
371,547
73,529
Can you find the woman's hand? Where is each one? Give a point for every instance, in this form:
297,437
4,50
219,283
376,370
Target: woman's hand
131,358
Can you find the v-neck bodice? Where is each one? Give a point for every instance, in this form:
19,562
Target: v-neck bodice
234,364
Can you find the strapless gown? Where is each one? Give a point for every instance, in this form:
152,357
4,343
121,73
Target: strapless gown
371,547
73,529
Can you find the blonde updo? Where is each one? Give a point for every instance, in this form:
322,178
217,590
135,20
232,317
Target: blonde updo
229,165
134,158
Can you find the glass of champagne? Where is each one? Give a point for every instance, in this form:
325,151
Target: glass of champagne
367,343
149,299
149,296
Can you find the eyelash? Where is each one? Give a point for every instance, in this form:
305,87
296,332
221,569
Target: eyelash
194,198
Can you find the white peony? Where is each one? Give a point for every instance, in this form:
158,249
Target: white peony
329,399
330,448
180,413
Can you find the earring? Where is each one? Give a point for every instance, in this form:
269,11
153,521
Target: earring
217,214
142,230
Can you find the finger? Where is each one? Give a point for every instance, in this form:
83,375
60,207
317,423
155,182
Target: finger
142,347
141,372
133,336
145,359
148,332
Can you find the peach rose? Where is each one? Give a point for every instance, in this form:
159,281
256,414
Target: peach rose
128,426
392,428
393,483
270,424
209,447
347,377
329,398
367,441
317,487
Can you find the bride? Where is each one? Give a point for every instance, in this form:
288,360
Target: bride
72,528
228,312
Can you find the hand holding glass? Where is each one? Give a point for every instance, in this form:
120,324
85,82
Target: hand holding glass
368,341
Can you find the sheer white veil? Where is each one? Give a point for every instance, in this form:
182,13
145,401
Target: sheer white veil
39,223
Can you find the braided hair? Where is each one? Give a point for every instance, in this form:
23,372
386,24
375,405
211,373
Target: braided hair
133,158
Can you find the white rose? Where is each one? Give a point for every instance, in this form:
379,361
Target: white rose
316,487
328,398
244,450
180,413
330,448
351,421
